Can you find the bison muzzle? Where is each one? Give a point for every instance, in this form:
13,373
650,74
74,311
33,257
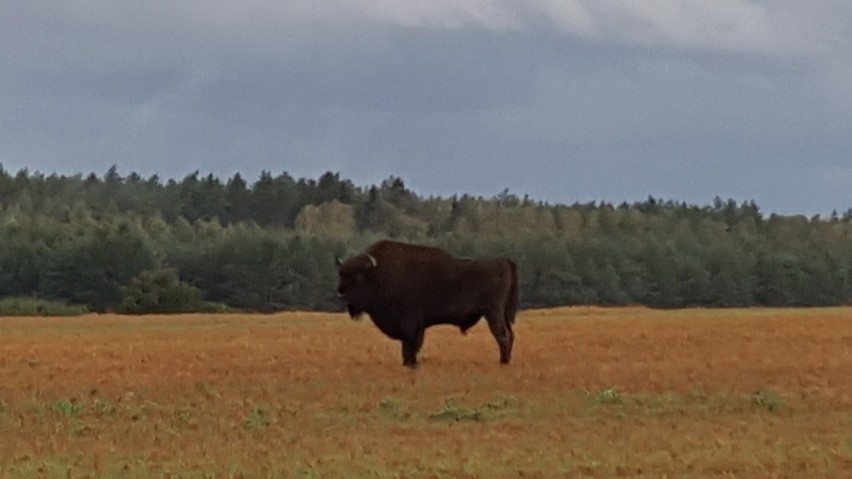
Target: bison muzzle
406,288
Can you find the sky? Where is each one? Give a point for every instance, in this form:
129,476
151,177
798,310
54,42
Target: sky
566,101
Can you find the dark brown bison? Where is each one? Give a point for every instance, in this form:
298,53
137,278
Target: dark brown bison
406,288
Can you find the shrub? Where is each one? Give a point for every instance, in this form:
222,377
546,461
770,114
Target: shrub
161,291
23,306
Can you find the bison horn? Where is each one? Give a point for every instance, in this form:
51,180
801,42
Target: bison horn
372,260
338,261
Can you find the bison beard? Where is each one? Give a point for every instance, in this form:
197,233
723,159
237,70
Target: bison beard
406,288
354,312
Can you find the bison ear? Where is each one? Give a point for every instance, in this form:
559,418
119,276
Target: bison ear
338,261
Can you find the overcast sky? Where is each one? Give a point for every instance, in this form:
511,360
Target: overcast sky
572,100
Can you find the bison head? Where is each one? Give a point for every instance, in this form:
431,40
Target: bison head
354,286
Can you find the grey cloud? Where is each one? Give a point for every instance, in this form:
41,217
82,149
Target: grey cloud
569,100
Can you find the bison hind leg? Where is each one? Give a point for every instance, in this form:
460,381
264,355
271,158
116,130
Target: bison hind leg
503,333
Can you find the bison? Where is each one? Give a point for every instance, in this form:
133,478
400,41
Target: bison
406,288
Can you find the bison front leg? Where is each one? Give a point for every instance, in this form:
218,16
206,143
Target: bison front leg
504,335
409,354
410,347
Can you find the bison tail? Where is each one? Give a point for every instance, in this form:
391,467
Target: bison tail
513,301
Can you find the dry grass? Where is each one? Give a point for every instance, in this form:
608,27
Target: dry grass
591,392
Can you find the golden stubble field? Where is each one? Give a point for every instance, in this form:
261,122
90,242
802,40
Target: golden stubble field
591,392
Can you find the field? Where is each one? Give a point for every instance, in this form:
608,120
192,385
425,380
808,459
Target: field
591,393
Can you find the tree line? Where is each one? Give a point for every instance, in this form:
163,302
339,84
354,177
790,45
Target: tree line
134,244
